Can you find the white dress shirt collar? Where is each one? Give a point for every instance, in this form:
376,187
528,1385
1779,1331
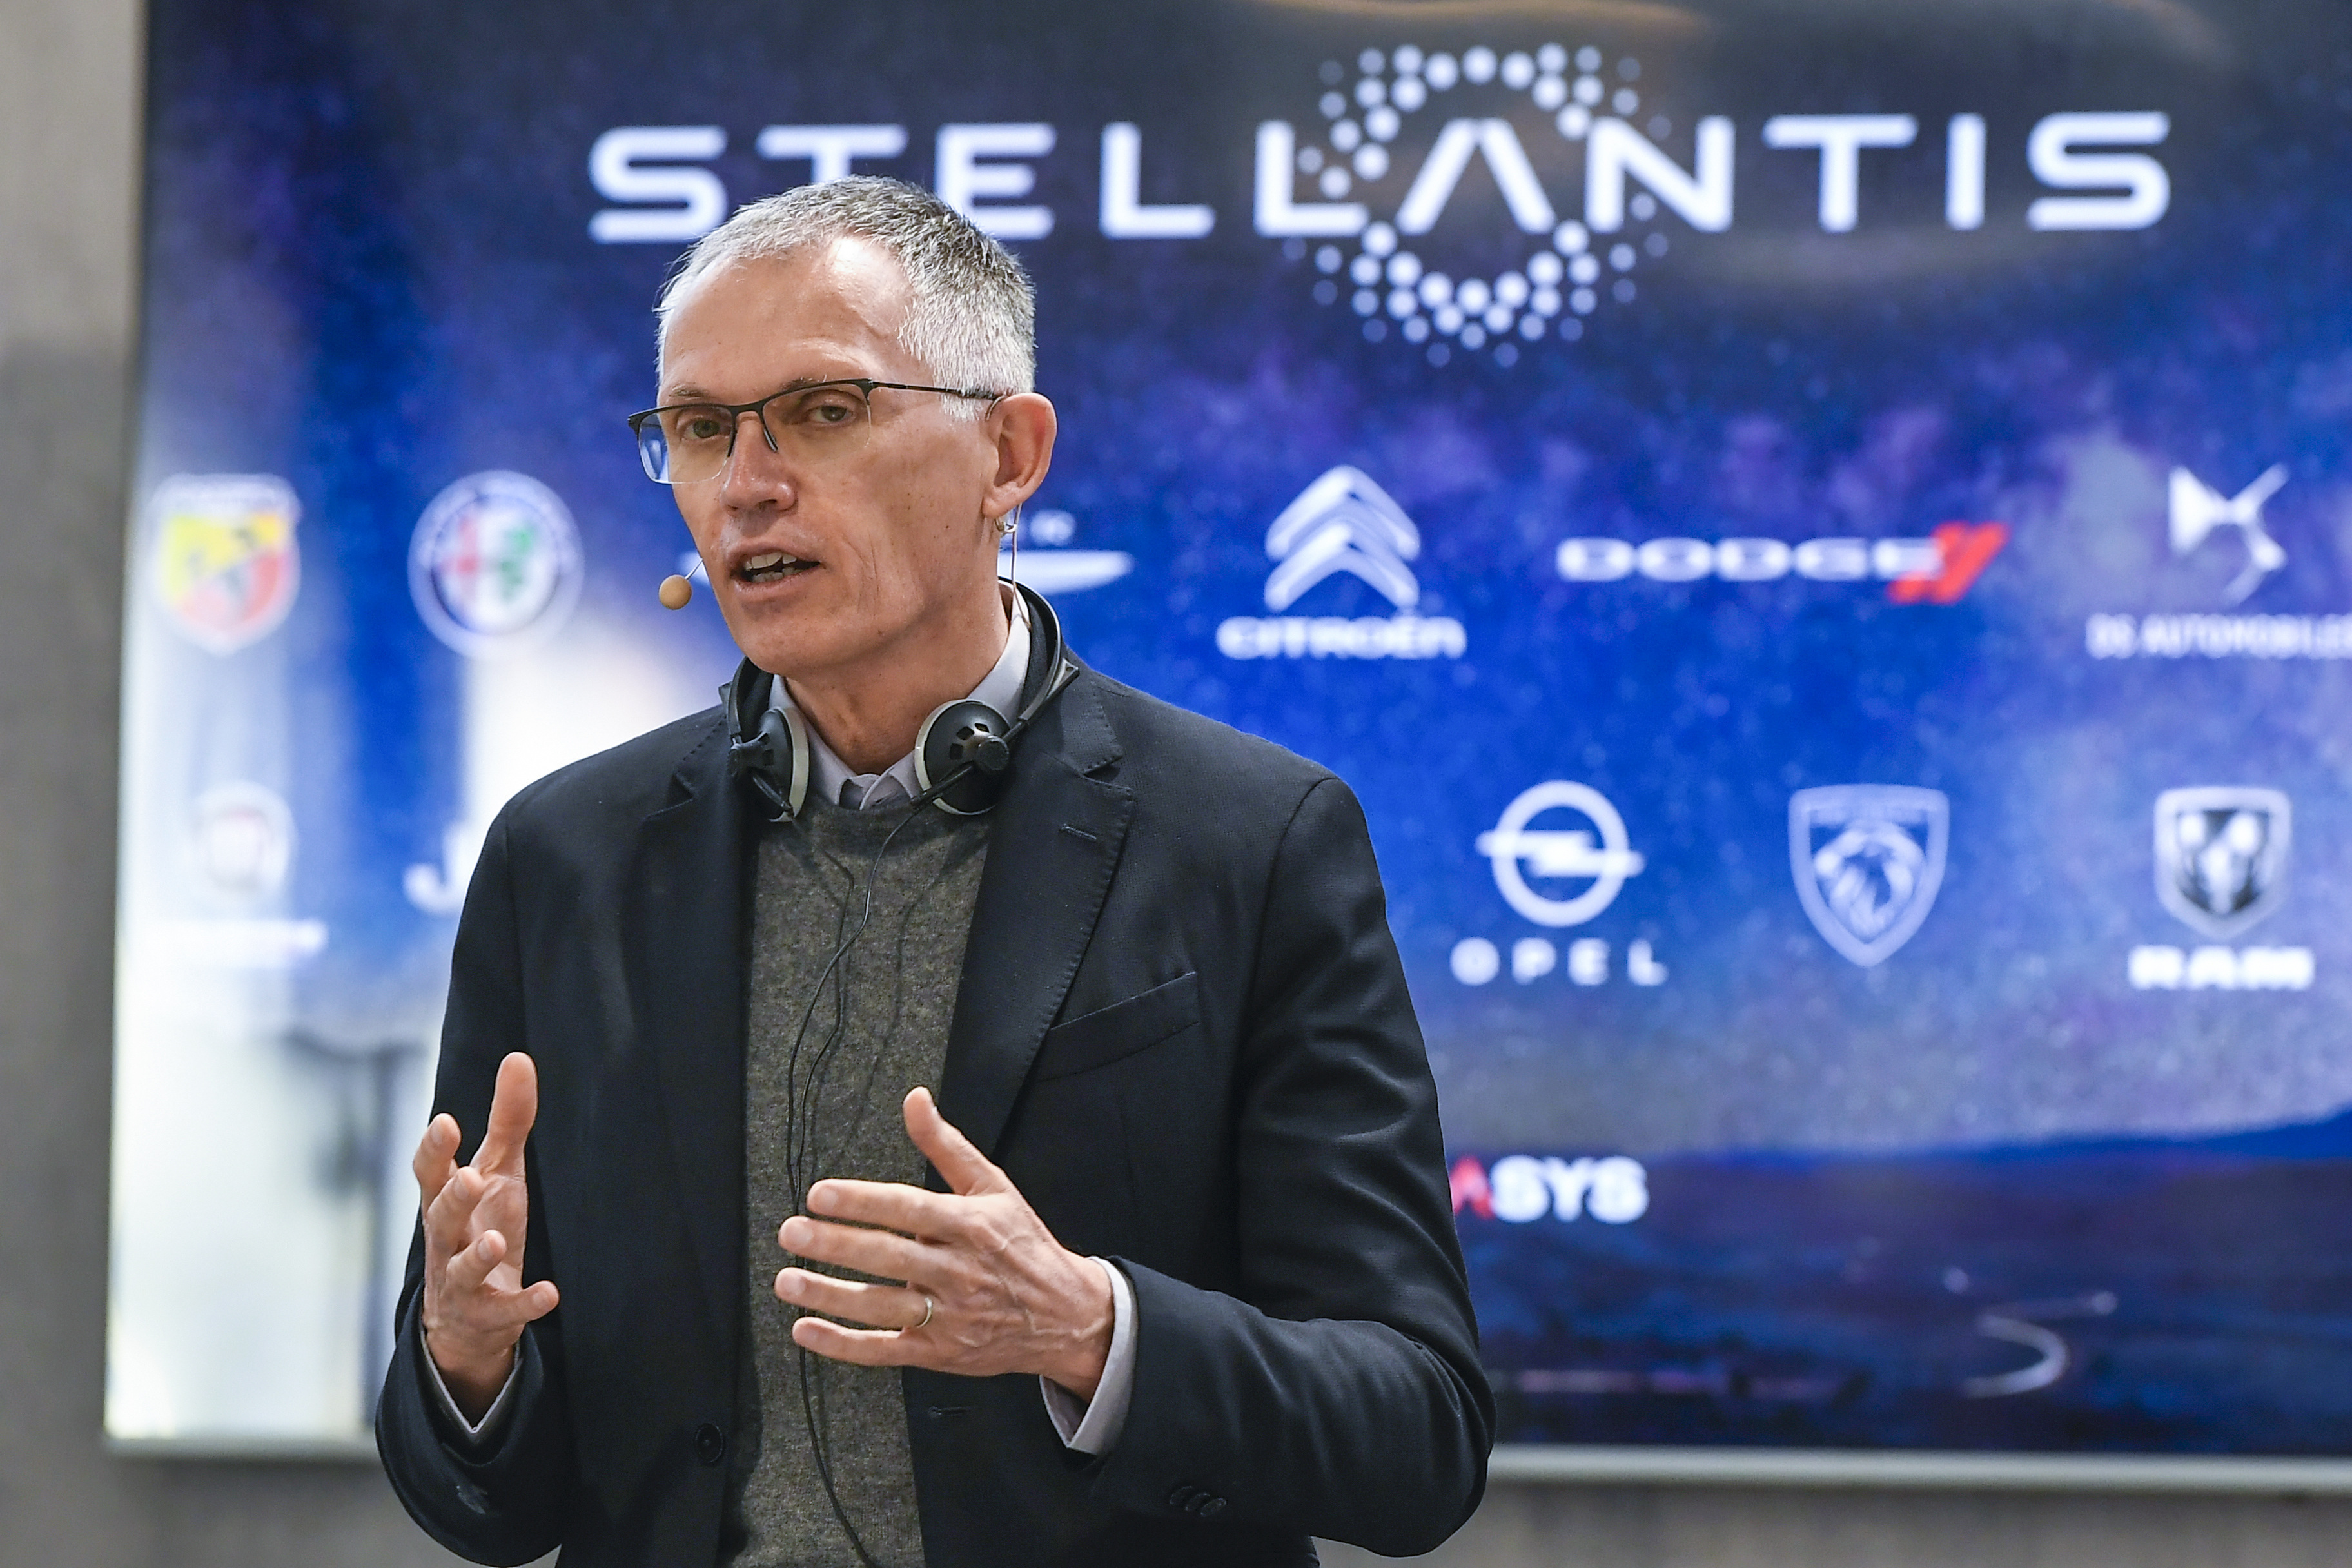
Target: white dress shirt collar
1000,688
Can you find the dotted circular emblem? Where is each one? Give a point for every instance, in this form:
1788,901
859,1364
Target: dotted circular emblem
1393,285
494,563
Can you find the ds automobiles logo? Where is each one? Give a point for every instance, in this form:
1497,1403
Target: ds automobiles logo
2196,510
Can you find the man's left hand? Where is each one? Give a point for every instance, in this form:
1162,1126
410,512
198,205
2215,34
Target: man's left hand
988,1289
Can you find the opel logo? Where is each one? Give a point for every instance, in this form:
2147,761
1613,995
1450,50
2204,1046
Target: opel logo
1561,853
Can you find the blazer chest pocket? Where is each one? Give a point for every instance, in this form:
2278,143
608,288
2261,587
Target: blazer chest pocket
1122,1029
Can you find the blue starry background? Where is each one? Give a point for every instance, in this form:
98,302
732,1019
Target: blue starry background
368,270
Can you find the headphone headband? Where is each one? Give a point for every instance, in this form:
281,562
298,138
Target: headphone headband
962,750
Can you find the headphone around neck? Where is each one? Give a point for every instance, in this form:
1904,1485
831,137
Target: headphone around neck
961,750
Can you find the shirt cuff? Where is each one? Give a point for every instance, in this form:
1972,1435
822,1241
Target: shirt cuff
1093,1426
472,1435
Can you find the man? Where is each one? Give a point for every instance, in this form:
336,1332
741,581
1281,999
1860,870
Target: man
1166,1272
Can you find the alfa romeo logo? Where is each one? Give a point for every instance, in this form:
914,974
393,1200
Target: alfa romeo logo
494,563
1399,277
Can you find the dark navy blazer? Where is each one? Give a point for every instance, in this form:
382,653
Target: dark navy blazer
1183,1031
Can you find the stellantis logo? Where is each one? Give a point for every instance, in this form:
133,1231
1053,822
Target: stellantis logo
1572,263
1343,523
1366,178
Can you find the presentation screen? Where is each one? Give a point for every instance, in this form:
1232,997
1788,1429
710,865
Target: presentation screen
1822,536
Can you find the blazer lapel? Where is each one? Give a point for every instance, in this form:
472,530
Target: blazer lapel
1052,849
686,936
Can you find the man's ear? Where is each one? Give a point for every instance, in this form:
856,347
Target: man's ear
1023,427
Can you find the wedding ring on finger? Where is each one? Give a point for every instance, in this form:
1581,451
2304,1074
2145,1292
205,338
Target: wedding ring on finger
927,1308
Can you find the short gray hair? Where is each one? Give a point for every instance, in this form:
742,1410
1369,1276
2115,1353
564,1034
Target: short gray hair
971,315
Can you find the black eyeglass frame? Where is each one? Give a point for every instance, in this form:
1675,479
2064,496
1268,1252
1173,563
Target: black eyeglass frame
867,386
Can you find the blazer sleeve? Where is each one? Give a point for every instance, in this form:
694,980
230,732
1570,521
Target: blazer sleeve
1339,1389
505,1502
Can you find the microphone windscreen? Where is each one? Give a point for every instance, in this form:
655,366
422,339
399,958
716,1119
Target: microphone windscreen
676,592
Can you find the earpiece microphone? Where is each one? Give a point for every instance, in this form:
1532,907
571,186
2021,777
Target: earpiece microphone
677,588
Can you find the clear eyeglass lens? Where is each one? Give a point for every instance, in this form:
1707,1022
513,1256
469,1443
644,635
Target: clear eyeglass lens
691,442
821,420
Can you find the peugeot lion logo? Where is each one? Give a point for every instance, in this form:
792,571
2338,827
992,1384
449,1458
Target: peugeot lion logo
1868,859
2220,855
1342,522
1560,853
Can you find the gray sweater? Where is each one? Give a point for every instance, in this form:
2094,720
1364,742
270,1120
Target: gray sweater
876,1027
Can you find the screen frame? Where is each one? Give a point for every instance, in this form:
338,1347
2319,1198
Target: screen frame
1940,1470
1602,1464
1570,1464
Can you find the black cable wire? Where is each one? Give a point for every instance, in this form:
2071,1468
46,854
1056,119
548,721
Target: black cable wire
801,1103
801,1108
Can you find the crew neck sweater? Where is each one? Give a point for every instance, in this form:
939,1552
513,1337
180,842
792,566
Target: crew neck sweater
829,1059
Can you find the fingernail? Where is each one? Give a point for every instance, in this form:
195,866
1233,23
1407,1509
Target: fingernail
820,1198
795,1232
788,1285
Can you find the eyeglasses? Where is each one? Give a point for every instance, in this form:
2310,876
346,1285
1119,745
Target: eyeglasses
684,443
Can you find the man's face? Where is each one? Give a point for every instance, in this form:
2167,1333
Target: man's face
824,559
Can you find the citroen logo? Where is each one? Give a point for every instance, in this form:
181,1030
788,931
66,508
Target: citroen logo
1342,522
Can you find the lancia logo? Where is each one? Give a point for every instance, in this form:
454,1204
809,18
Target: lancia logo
2220,855
1868,860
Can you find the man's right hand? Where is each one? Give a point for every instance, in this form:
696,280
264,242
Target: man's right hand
476,1217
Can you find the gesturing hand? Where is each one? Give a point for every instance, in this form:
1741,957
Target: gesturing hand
988,1289
476,1217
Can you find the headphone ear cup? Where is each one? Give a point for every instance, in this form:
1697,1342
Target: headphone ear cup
794,785
772,755
966,738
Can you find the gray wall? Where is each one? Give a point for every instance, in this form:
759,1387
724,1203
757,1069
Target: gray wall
69,122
